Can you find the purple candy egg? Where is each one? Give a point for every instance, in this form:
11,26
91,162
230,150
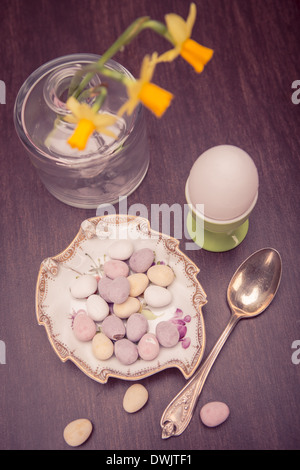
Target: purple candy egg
141,260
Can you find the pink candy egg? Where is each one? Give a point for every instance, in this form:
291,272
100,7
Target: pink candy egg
118,290
148,347
84,327
115,268
214,413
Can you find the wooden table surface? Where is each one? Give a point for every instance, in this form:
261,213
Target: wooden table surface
244,98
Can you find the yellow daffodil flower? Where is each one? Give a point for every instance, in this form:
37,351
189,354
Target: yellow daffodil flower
152,96
87,121
180,32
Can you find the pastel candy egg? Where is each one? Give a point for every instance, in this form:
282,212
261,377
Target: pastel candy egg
84,327
157,296
138,283
136,327
214,413
103,288
161,275
135,398
115,268
113,327
126,351
121,250
148,347
102,347
167,334
97,307
77,432
118,290
84,286
141,260
127,308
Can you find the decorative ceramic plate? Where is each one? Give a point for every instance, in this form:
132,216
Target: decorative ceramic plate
55,306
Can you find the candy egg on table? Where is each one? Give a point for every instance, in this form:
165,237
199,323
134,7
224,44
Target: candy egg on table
214,413
77,432
135,398
221,191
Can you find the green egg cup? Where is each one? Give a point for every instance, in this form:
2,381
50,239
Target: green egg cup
216,235
216,241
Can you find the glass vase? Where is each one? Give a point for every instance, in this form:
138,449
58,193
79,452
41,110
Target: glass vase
107,169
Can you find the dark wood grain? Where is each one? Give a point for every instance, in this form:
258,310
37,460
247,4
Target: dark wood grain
243,98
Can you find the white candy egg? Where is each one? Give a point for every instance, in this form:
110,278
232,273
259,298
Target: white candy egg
97,307
225,179
84,286
121,249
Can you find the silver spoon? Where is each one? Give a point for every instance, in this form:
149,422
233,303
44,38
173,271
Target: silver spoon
250,291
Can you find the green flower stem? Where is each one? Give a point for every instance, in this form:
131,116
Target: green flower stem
158,28
100,99
129,34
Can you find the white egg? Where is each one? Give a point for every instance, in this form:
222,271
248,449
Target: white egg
225,180
84,286
157,296
121,249
97,308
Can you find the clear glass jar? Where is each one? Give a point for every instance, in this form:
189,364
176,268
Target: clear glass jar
107,169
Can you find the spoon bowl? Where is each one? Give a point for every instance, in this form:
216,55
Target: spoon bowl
255,282
250,291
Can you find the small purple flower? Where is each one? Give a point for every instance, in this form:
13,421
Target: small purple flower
182,331
185,342
177,321
181,327
178,312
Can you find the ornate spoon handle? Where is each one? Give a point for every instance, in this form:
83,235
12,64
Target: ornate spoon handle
179,412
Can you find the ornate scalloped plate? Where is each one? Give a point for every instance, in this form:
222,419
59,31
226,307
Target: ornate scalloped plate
86,254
